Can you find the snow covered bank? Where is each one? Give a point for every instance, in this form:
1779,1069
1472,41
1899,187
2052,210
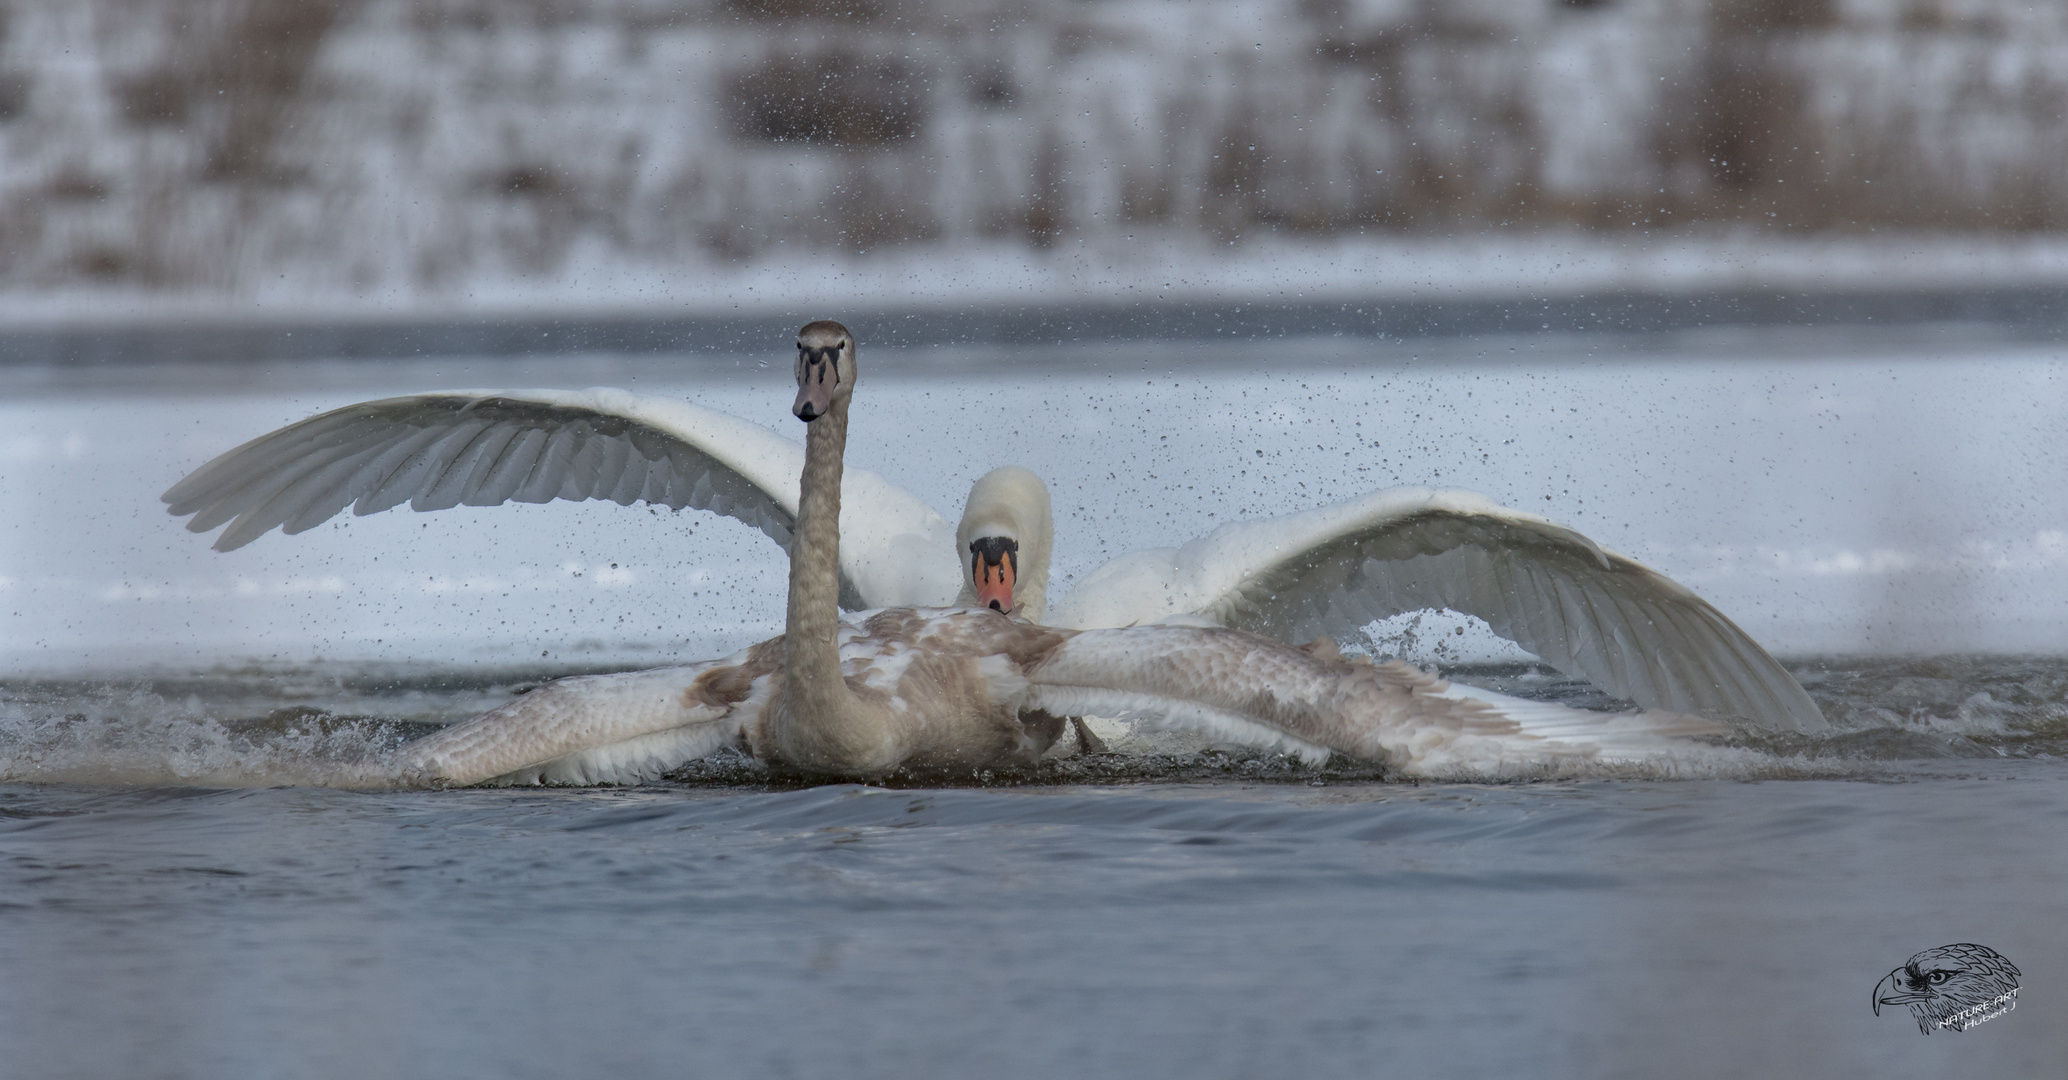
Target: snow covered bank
331,158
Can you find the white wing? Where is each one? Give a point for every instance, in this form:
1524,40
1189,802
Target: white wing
1335,570
1244,688
481,448
592,729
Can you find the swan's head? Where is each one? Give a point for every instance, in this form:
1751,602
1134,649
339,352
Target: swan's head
825,368
1004,541
994,564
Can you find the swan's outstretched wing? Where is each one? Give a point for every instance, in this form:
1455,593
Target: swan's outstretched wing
1248,689
591,729
482,448
1334,570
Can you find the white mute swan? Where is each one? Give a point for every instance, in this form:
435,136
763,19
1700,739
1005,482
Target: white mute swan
1329,571
974,688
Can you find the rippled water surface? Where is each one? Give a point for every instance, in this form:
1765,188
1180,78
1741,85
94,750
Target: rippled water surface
1688,929
1188,915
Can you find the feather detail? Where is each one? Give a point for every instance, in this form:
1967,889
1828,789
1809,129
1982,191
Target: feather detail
1238,687
1334,570
480,448
601,726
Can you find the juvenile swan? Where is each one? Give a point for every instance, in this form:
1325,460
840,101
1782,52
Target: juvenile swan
1331,571
976,688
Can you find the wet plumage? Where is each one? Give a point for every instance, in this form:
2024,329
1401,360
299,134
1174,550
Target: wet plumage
974,689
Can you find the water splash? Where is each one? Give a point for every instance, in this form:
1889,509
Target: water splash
332,725
131,736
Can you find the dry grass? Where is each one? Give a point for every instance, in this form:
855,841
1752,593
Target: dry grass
828,97
235,68
858,124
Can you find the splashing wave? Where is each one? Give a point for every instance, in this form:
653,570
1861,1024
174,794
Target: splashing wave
259,727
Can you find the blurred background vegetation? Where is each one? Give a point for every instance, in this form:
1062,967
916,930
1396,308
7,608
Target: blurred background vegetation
352,145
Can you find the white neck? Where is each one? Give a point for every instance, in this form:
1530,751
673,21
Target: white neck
1013,502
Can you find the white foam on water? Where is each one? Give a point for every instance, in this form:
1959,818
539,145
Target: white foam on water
130,736
260,727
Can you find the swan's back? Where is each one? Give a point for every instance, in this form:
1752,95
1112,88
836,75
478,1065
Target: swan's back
934,689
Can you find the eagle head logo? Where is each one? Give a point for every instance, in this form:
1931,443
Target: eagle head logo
1952,986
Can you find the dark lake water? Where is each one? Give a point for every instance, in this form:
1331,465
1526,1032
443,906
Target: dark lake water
1185,915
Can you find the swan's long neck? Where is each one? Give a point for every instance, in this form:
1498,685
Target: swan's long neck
811,670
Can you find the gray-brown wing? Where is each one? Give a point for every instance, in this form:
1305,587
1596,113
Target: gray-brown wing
1626,627
591,729
437,451
1336,569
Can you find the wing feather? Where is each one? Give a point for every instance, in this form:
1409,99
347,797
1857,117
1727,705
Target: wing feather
1244,688
388,480
519,457
286,496
482,459
547,477
230,474
254,488
1582,609
1728,681
587,729
458,463
623,474
436,451
584,463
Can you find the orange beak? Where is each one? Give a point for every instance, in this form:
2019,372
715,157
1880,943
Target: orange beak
992,562
994,585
